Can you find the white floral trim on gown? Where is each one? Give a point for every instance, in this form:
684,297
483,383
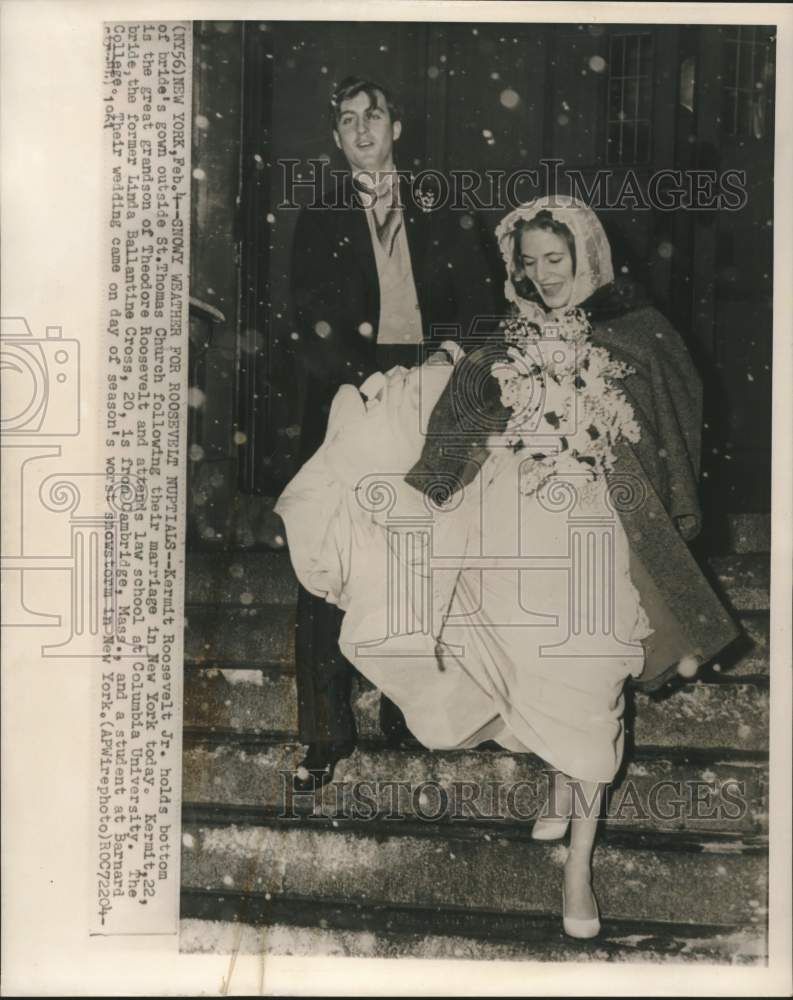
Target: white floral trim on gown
494,616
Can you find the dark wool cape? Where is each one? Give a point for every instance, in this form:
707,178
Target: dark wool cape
666,394
660,512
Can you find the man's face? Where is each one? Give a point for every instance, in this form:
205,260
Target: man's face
366,134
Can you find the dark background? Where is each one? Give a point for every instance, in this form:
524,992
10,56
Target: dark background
620,97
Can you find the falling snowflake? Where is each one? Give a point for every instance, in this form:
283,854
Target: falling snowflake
509,98
597,64
322,329
199,174
195,452
240,437
366,329
195,397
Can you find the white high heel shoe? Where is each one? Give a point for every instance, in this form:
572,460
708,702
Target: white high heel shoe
580,927
546,828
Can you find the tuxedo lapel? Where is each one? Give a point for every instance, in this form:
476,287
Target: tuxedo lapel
417,229
357,229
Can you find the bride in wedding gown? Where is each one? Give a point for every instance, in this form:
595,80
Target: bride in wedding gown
459,513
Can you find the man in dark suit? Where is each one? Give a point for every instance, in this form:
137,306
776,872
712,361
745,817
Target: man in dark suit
373,274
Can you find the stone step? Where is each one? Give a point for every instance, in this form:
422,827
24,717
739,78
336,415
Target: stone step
371,932
662,878
737,532
654,792
702,715
744,579
250,701
260,635
266,577
240,578
749,533
240,637
750,655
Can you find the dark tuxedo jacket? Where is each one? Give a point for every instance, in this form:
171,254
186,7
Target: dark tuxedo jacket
336,295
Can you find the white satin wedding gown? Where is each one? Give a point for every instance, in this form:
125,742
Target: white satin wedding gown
494,615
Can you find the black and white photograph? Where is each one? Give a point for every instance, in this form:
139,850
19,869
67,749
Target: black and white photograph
479,491
397,498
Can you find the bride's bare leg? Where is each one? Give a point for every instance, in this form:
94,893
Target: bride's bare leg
586,800
560,798
552,821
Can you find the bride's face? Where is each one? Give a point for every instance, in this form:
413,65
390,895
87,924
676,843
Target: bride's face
547,263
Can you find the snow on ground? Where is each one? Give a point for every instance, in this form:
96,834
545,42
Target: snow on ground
222,937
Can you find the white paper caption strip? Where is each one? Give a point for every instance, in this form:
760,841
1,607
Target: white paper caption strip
147,112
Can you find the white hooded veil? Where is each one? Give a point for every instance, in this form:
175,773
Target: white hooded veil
593,253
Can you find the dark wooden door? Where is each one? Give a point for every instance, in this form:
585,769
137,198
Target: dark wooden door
732,264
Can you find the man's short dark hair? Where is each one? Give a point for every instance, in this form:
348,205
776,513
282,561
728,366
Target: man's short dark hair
351,86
